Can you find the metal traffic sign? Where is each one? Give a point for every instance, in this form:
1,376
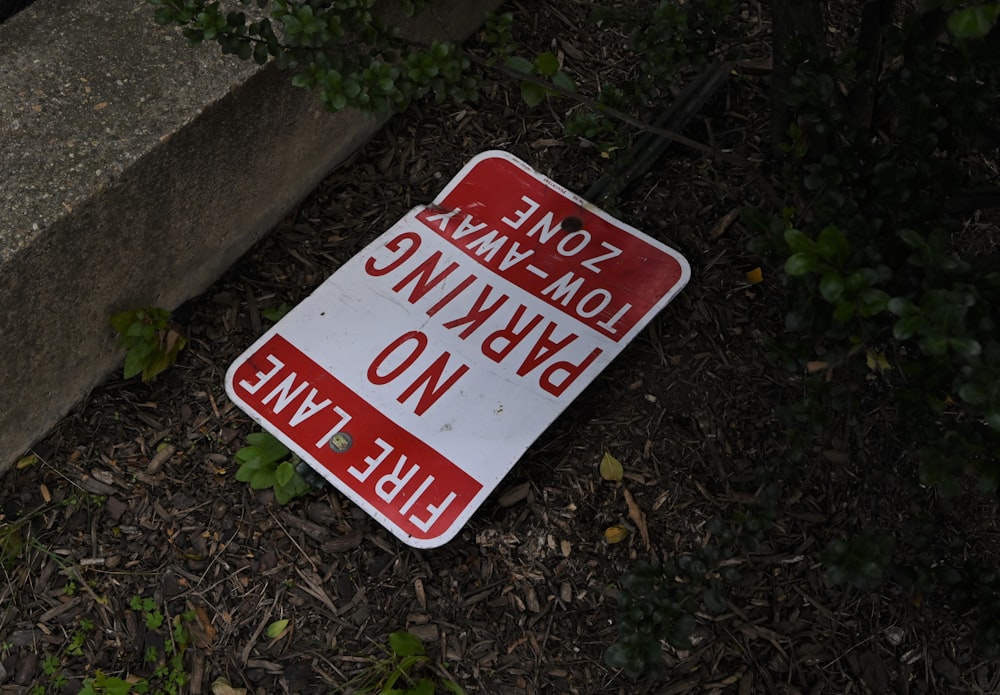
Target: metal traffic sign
415,377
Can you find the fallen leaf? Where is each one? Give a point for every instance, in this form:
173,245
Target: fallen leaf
221,686
202,630
26,461
816,366
100,105
876,361
724,222
611,468
277,628
754,276
636,514
11,542
170,340
616,533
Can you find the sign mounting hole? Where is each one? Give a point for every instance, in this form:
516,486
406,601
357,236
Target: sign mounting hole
572,224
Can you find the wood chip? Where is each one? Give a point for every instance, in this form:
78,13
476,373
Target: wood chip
723,223
637,516
348,541
513,495
428,633
96,487
161,457
531,599
418,591
565,592
313,530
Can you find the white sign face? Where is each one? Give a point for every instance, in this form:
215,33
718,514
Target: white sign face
415,377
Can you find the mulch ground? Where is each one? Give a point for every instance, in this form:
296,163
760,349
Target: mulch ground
134,495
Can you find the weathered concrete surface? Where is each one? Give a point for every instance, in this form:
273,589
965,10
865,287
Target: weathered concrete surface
134,171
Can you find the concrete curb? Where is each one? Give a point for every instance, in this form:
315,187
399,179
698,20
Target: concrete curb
134,171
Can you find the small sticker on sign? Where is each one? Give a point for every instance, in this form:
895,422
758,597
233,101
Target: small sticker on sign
341,442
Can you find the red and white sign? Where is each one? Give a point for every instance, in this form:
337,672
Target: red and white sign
415,377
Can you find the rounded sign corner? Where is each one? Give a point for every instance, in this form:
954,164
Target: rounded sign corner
494,154
515,161
433,542
229,382
488,157
685,275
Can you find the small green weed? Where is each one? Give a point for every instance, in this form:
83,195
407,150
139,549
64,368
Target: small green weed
150,613
168,677
102,684
52,667
860,560
269,463
11,542
76,642
150,344
342,50
396,673
659,602
546,66
50,664
277,313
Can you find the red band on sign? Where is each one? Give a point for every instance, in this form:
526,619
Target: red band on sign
564,253
398,475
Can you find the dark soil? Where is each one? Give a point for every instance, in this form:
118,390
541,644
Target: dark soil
134,493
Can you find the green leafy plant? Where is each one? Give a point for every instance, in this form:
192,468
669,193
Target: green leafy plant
860,560
150,344
890,305
658,601
171,673
11,542
267,463
102,684
168,676
877,260
52,668
150,613
973,22
352,58
402,671
545,65
276,313
76,642
343,50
